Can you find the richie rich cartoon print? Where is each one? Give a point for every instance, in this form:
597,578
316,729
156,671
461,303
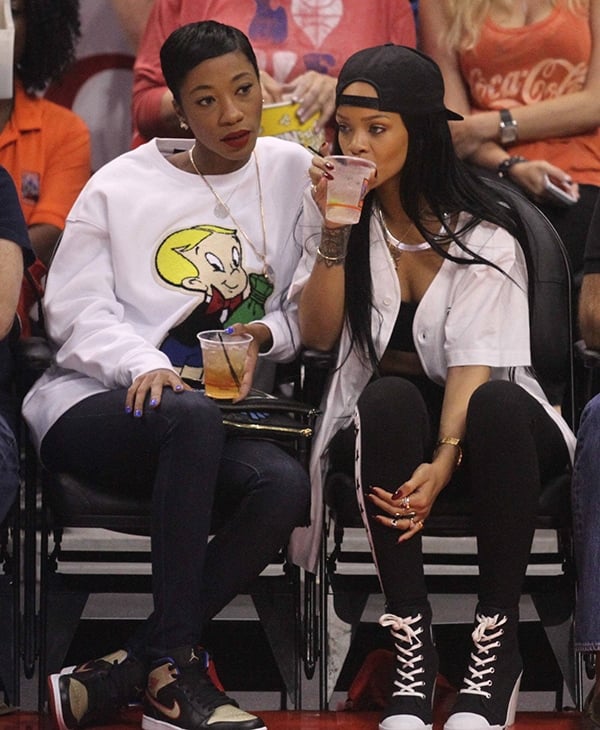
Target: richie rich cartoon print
207,261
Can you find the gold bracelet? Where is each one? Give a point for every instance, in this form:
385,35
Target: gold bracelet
452,441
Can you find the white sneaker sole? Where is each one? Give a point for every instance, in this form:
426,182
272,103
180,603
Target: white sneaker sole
54,700
403,722
151,723
471,721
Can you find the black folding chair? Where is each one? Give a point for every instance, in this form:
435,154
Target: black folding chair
347,576
69,575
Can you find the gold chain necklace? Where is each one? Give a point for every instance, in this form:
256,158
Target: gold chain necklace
222,210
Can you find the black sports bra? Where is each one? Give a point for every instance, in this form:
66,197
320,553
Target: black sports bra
402,336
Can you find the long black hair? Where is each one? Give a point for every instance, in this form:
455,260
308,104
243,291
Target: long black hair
52,31
434,179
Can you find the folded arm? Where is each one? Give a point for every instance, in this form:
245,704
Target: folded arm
477,137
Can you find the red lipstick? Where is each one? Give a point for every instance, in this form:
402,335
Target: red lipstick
237,140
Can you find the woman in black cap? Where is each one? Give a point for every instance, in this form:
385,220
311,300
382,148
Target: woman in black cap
426,301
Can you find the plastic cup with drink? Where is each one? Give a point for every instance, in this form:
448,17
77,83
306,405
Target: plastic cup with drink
223,359
346,192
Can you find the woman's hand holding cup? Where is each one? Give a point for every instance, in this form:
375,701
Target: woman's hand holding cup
340,183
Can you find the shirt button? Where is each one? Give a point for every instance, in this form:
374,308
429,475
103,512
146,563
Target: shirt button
387,301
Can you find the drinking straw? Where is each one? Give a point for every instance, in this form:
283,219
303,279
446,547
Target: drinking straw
236,380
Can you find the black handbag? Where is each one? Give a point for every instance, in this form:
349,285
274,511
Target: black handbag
270,416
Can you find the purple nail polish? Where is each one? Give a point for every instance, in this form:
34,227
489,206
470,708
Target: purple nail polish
138,413
153,401
128,409
228,330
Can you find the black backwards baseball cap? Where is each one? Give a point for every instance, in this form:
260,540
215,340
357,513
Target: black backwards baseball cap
406,80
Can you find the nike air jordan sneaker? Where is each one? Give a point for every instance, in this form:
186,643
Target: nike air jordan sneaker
181,695
93,693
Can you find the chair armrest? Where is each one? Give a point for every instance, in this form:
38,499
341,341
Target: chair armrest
590,358
33,355
317,366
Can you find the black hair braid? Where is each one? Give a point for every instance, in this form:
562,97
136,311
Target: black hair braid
53,28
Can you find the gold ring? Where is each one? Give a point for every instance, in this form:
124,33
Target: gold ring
420,524
405,502
412,522
397,516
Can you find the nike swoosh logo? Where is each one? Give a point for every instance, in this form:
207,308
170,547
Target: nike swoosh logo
172,713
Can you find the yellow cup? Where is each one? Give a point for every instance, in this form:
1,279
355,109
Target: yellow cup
281,120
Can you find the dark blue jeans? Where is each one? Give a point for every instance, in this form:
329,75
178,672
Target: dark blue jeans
179,452
585,496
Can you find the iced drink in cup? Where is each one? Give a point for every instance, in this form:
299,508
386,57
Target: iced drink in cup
345,193
223,359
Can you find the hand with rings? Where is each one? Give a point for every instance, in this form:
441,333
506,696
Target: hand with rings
397,513
419,524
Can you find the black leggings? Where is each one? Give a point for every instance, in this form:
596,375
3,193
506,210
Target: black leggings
511,446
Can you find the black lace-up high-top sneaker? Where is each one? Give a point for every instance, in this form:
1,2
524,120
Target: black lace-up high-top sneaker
416,667
488,697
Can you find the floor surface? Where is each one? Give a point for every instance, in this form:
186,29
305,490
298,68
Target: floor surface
313,721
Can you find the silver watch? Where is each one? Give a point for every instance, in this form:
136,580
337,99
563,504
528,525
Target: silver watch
509,132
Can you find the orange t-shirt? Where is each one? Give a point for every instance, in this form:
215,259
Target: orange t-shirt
511,67
46,150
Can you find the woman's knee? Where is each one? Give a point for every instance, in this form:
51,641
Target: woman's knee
494,403
589,423
389,399
192,414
